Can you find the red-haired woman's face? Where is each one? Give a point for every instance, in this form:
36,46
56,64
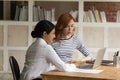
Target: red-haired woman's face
68,31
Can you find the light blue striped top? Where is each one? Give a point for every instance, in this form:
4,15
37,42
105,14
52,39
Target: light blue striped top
66,47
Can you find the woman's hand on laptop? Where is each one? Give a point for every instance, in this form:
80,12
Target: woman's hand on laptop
76,62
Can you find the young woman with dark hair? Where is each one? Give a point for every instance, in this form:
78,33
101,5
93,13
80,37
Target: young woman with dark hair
40,55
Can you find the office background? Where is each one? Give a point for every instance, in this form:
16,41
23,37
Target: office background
16,26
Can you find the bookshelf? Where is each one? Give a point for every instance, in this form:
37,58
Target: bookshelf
111,9
15,34
103,34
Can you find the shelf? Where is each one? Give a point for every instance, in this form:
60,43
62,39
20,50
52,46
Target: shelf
15,10
19,10
54,9
108,24
111,9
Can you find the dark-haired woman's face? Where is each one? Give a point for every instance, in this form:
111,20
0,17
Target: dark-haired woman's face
49,37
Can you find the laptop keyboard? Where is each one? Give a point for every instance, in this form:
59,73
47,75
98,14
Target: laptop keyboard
86,66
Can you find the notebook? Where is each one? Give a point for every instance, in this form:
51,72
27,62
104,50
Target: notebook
98,60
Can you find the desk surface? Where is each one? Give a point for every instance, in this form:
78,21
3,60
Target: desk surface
109,73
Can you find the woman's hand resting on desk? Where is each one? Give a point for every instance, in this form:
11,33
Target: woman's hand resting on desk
79,62
76,62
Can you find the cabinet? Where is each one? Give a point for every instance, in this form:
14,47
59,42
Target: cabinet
15,34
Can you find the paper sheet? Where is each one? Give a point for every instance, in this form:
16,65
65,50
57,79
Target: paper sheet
74,69
94,71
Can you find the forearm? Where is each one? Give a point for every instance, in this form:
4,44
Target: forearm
88,58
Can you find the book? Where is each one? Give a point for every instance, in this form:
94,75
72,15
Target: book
97,15
118,16
91,16
35,13
74,13
17,12
86,18
103,16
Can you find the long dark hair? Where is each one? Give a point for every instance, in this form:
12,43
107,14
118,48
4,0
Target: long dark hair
43,25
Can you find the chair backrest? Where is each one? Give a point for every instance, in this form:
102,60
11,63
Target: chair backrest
14,67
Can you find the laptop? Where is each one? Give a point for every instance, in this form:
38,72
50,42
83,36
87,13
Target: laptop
97,62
